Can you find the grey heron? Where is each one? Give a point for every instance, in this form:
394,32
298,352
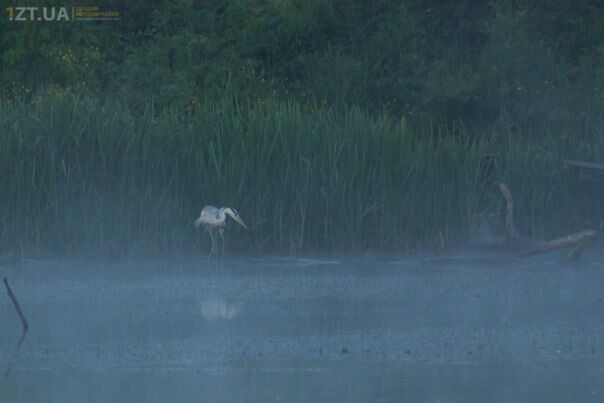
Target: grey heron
213,218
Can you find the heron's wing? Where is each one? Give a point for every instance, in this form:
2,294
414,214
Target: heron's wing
210,210
210,213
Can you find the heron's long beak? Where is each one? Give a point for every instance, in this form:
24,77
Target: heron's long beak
240,221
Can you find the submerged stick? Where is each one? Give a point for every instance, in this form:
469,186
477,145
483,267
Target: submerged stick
16,304
508,210
572,239
23,323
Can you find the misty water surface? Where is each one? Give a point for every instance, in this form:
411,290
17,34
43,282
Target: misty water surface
461,327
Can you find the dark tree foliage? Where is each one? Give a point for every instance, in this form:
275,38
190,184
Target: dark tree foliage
466,60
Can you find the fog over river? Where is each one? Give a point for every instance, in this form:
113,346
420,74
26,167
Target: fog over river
466,326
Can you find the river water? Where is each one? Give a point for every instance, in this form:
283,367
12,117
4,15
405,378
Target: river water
467,326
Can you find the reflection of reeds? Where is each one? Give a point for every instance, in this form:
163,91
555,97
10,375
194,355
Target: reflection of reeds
81,176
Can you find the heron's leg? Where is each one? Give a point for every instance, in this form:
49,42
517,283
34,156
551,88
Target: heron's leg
221,231
212,248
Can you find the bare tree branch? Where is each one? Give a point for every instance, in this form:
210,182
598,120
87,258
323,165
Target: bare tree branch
508,210
573,239
578,249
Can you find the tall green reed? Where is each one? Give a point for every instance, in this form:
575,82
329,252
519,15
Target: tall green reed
87,177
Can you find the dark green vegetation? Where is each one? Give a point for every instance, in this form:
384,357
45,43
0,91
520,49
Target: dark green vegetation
329,125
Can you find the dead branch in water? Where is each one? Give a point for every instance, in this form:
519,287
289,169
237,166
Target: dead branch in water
579,239
578,249
23,323
16,304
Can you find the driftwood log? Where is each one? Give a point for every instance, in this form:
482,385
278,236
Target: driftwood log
577,240
578,249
